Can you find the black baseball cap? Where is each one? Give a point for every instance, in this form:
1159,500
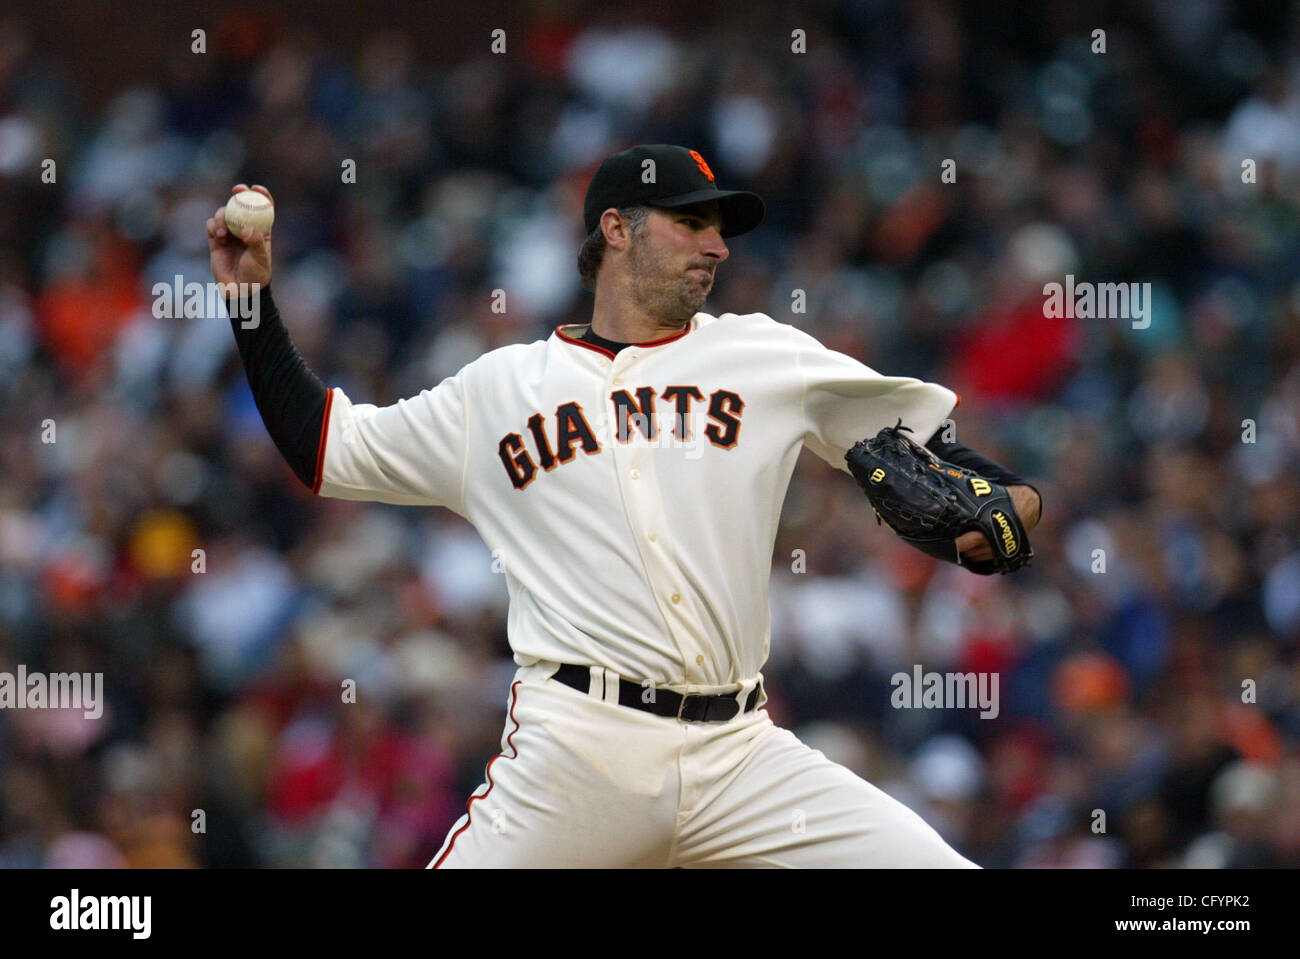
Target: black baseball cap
680,178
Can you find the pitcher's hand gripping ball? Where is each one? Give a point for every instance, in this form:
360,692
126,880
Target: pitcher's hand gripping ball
929,503
249,208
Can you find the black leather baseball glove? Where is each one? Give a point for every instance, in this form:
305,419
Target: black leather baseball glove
929,503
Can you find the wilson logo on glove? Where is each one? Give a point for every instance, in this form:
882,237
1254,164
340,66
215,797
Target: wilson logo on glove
1008,537
929,503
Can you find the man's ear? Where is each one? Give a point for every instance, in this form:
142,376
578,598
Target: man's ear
618,227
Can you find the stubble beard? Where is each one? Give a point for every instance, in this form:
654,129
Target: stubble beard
672,298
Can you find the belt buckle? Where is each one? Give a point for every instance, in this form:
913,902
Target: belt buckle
682,705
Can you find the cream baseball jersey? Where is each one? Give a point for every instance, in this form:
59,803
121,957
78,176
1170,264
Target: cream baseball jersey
658,472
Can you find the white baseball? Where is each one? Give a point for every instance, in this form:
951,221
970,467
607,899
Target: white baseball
249,208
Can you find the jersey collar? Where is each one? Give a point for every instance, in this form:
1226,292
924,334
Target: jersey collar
569,338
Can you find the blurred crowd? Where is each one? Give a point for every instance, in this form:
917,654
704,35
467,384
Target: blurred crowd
1149,709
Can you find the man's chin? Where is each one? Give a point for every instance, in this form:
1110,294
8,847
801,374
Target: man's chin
694,302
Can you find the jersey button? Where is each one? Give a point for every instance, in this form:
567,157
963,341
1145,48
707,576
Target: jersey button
619,381
699,660
653,537
636,474
677,597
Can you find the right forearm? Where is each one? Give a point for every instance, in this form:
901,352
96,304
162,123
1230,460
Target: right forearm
290,397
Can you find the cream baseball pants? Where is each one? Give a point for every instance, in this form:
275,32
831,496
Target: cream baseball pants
584,782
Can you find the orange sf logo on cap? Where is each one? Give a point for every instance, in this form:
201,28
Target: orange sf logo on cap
704,167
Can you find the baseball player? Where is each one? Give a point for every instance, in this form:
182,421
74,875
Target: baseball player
630,474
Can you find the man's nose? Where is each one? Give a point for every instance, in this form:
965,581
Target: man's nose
714,246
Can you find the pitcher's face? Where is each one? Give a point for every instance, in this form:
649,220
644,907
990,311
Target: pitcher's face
673,261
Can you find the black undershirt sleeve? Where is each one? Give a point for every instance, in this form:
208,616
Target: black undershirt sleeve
967,458
290,397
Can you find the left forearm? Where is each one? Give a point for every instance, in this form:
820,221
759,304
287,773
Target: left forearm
1028,504
1026,499
967,458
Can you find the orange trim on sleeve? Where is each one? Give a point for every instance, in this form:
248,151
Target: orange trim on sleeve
324,438
958,401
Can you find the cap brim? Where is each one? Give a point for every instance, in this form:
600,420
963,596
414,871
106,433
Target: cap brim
741,210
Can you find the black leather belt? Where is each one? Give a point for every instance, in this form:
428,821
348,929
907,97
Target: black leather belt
691,708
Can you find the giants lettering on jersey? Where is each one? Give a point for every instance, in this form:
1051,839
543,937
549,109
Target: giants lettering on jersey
636,417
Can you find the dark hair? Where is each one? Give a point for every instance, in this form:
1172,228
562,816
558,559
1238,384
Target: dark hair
592,251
